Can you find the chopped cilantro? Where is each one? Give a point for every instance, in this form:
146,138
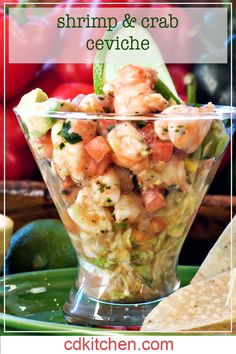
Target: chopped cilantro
109,200
110,127
61,146
180,129
141,123
102,186
71,138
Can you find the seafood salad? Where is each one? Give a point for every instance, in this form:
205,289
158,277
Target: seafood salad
127,171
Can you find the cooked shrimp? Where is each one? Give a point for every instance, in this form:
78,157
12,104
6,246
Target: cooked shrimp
77,160
129,208
57,139
161,129
96,103
106,189
60,163
66,106
59,158
85,194
189,135
133,89
127,144
174,174
70,159
186,135
91,218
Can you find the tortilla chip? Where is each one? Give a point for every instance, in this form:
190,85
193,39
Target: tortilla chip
218,259
232,290
197,307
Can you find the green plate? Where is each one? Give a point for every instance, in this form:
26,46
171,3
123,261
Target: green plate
34,301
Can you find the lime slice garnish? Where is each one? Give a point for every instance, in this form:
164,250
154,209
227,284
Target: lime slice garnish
107,62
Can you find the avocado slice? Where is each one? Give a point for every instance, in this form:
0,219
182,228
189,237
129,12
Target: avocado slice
35,125
32,97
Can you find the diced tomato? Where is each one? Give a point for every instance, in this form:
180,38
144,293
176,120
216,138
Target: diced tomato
161,150
98,148
153,199
95,168
148,133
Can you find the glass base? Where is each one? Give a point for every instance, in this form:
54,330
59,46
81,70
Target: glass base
83,310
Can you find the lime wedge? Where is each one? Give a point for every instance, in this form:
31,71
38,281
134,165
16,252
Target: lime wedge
7,223
107,62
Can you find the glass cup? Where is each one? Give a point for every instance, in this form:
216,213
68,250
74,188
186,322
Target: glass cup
127,200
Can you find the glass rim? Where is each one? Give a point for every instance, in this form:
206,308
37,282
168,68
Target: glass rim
221,112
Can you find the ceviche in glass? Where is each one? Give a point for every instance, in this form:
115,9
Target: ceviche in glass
127,170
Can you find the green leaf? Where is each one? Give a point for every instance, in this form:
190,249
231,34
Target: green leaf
71,138
110,127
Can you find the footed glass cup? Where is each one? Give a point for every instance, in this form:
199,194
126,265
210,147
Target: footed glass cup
127,200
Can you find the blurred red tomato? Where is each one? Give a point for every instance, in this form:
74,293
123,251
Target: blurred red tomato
75,72
14,134
19,160
34,39
72,89
17,75
2,2
13,164
46,78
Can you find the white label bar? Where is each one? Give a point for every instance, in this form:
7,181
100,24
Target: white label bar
119,344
